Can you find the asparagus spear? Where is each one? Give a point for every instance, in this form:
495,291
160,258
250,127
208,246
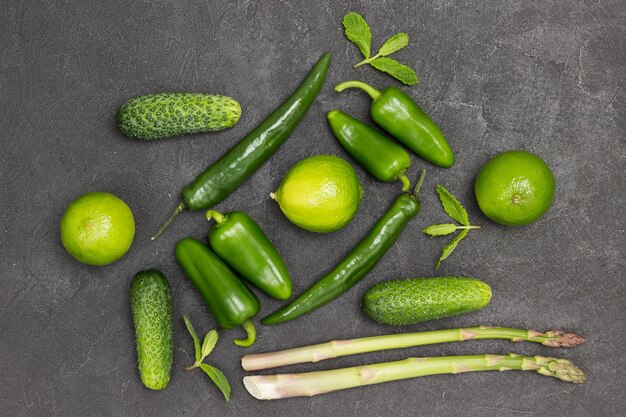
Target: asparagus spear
337,348
269,387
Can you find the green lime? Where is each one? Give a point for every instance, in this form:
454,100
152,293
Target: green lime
320,194
514,188
97,228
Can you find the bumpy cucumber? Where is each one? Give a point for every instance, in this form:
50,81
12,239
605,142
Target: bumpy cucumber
151,304
163,115
413,300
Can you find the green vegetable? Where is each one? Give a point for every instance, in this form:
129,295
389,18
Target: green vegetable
230,302
398,114
163,115
357,263
270,387
242,160
358,31
381,157
457,212
396,70
208,344
338,348
241,243
151,305
413,300
452,207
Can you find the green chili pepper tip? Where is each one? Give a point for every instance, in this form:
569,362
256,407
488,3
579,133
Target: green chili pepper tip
182,206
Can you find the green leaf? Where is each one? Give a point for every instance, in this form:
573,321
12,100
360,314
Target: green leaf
440,229
394,44
358,32
194,336
218,378
210,340
447,250
396,70
452,206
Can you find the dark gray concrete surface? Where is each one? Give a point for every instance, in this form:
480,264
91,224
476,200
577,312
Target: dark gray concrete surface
544,76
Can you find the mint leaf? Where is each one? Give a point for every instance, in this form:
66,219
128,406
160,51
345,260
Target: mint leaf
358,31
393,44
210,340
194,336
440,229
452,207
447,250
218,379
396,70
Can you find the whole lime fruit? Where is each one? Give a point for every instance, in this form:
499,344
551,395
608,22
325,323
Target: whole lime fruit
97,228
320,194
514,188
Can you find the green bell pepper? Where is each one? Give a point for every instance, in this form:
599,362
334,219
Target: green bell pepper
397,113
240,242
230,302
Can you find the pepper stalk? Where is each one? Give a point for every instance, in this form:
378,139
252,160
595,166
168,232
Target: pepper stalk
338,348
270,387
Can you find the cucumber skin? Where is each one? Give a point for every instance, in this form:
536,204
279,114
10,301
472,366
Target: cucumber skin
163,115
414,300
151,305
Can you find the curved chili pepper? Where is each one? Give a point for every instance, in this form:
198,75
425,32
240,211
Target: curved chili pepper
398,114
242,160
241,243
384,159
357,263
227,297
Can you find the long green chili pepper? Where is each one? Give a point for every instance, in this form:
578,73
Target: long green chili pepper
241,243
243,159
380,156
397,113
357,263
230,302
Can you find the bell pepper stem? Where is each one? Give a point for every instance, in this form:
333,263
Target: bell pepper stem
217,216
406,184
373,93
169,221
248,326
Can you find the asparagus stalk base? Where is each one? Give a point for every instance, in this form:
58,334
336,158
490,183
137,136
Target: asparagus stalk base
337,348
270,387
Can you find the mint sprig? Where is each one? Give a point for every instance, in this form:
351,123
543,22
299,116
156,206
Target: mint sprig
201,352
358,32
396,70
452,207
455,211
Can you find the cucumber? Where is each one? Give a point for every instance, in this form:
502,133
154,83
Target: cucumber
163,115
413,300
151,305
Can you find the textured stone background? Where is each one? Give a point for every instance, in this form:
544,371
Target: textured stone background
547,77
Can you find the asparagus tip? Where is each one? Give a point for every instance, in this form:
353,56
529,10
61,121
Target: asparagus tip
562,369
563,339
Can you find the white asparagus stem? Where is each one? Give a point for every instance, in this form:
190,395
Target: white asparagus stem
270,387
